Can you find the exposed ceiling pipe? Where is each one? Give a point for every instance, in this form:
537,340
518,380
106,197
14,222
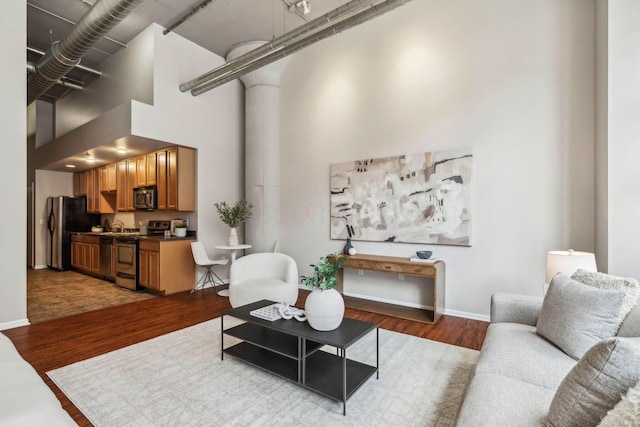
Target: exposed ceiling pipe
71,22
31,68
279,42
79,66
193,11
373,12
66,54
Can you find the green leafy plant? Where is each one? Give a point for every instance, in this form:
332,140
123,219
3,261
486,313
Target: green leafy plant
181,225
234,215
324,272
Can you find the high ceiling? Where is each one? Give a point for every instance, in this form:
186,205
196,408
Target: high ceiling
218,26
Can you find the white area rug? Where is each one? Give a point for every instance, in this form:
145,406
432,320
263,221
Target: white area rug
178,379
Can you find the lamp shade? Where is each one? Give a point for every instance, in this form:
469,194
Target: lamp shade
568,262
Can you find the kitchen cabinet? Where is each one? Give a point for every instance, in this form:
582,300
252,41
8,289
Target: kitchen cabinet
79,184
108,178
141,171
121,177
85,253
92,179
76,251
132,177
181,179
166,266
151,168
172,171
161,181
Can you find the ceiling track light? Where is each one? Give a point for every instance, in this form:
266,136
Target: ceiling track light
305,6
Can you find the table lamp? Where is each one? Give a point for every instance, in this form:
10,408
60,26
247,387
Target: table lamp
568,262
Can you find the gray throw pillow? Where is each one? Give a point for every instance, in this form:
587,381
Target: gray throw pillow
629,286
596,384
626,412
574,316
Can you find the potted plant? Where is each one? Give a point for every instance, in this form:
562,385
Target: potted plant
181,230
234,216
324,306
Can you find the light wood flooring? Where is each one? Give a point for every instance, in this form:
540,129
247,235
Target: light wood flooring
59,342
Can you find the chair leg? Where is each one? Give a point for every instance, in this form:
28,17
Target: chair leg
208,277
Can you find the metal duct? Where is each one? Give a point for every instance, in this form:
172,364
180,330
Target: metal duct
373,12
31,68
79,66
279,42
67,53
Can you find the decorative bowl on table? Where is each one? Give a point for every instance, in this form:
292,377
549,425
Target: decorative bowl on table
424,254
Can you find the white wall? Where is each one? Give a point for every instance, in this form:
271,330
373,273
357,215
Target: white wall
213,123
622,137
125,76
513,79
13,286
602,129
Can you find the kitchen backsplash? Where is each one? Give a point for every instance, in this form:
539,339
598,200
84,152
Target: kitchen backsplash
132,219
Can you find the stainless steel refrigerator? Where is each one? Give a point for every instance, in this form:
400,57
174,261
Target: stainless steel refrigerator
66,215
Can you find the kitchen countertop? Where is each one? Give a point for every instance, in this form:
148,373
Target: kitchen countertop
191,235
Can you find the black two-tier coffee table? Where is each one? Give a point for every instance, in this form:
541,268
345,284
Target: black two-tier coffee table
290,349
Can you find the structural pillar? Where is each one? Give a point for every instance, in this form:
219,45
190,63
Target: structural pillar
262,149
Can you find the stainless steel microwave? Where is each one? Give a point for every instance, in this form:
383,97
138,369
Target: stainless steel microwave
145,198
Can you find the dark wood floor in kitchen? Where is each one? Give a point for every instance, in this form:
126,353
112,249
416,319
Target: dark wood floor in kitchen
59,342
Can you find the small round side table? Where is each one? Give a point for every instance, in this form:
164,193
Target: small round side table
233,250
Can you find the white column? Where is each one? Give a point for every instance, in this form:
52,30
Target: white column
262,149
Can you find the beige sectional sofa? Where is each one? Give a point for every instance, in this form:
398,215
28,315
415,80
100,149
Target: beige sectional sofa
25,400
519,371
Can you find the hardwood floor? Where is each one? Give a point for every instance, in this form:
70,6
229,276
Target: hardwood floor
55,343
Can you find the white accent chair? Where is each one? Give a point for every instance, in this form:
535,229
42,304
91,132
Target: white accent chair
264,275
202,259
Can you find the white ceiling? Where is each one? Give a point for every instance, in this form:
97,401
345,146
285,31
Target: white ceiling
217,27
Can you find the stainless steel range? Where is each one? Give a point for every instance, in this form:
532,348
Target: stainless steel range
127,262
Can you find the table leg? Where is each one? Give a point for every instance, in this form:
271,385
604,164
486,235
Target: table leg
222,337
344,381
377,353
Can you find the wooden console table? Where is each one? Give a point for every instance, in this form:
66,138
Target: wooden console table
398,265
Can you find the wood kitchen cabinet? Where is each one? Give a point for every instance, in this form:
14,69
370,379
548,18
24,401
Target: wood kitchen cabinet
172,171
92,179
108,178
79,184
166,266
181,179
85,253
161,179
76,251
141,171
132,178
151,169
121,177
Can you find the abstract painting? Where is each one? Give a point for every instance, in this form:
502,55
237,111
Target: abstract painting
412,198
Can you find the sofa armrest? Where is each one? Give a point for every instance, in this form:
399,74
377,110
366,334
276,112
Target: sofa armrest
514,308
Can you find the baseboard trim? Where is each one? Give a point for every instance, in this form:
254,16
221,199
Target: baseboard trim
14,324
467,315
40,267
455,313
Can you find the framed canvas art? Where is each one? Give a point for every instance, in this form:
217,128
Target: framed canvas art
412,198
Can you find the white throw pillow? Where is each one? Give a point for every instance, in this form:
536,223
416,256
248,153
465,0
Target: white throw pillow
626,412
629,286
574,317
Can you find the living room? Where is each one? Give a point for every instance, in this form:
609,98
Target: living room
541,91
